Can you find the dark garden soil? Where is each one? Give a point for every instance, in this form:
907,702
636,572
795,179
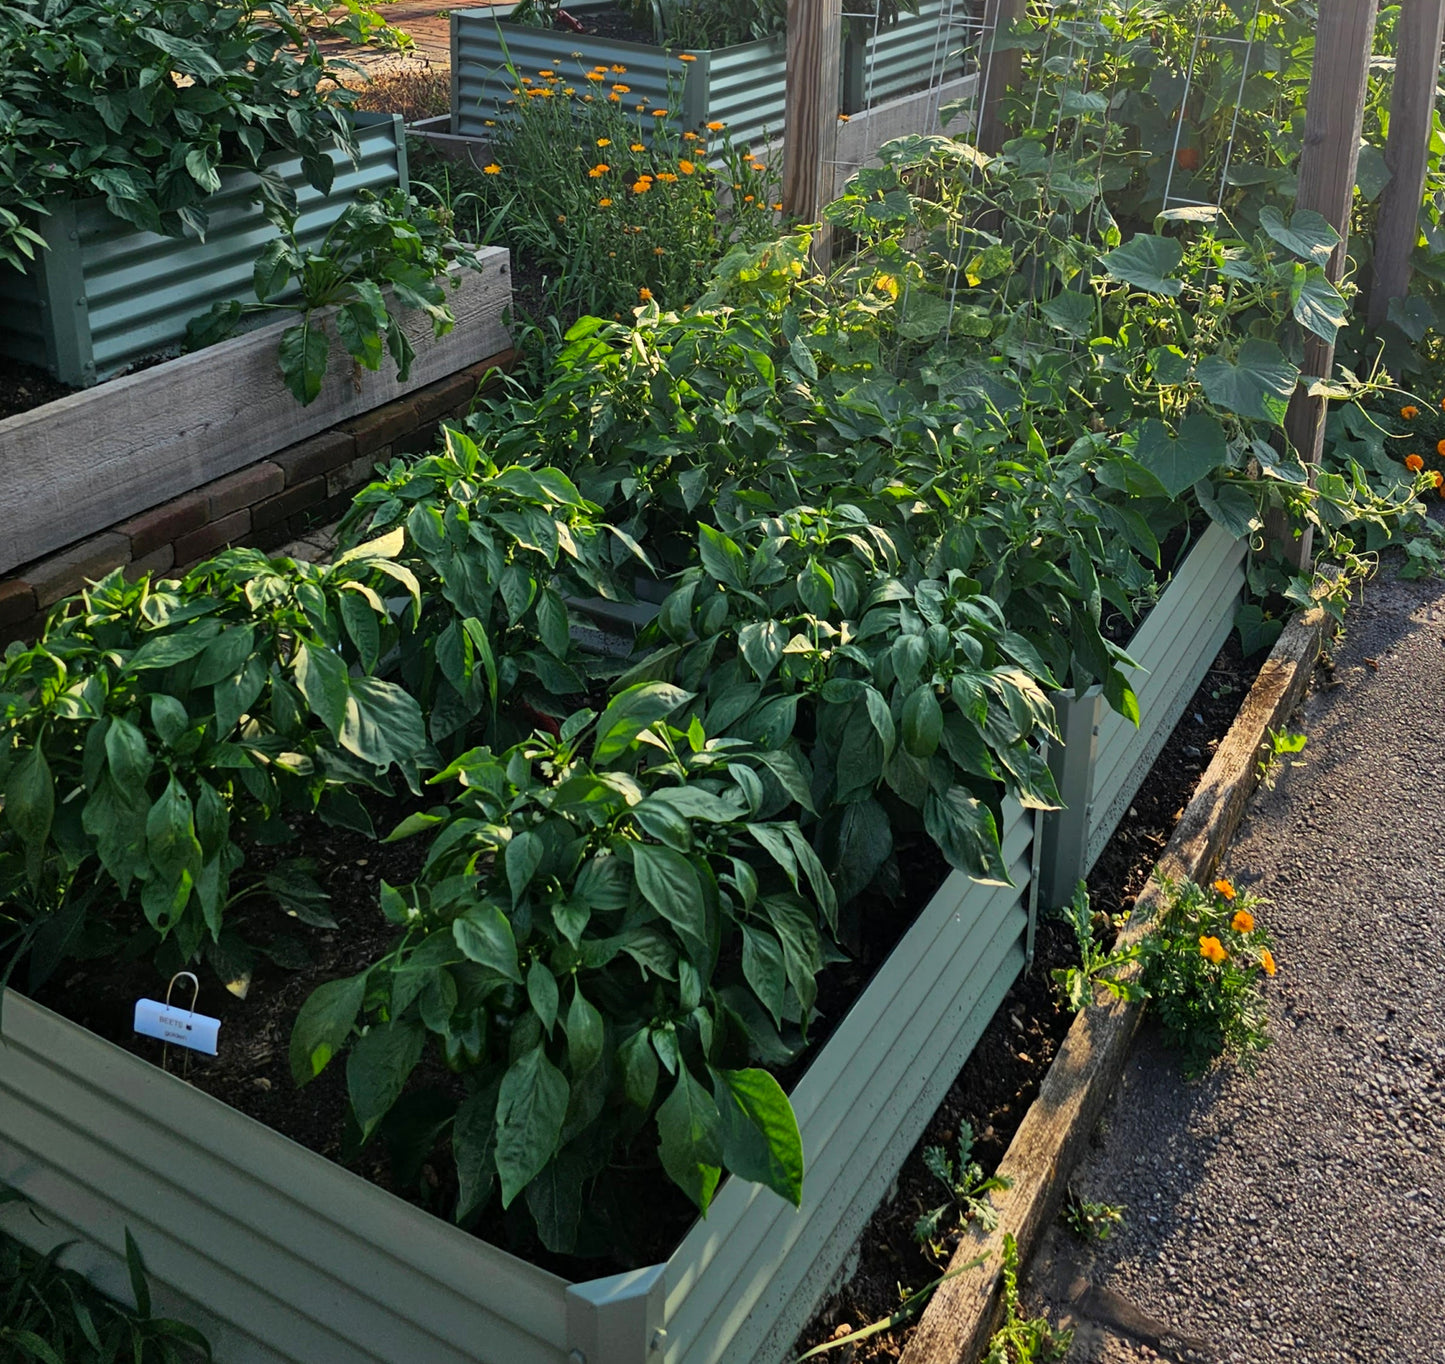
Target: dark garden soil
252,1073
23,387
1002,1076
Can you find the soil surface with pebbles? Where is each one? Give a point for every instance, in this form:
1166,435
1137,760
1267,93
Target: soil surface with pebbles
1299,1214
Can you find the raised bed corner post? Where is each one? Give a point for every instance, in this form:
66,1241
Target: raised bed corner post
1072,761
1002,69
1418,34
60,276
810,130
618,1320
1334,117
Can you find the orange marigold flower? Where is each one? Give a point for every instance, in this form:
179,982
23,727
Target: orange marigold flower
641,186
544,73
686,166
1414,463
623,89
526,80
778,207
842,118
748,198
636,147
667,177
686,57
716,126
599,170
614,99
689,136
604,141
594,75
1266,960
588,98
1225,888
493,169
1440,447
604,203
1243,921
1211,949
645,294
659,251
1439,478
1409,412
659,113
568,90
619,69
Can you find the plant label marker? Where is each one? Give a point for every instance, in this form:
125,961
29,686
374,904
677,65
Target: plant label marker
174,1025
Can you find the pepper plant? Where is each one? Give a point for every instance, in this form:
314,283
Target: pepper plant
609,927
155,727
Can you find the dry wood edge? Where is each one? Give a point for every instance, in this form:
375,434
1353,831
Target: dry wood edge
963,1313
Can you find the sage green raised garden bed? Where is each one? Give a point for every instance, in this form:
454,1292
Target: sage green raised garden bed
1104,759
106,295
740,86
282,1256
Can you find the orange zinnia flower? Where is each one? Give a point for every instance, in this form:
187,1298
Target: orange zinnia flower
1414,463
1212,950
1409,412
1225,888
1266,960
1243,922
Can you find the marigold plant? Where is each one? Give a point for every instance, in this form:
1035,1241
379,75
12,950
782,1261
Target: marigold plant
1200,968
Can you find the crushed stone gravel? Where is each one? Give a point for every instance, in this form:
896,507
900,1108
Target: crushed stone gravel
1299,1213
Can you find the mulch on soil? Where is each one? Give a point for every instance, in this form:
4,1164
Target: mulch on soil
1002,1076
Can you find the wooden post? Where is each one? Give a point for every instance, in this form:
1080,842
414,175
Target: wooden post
1001,72
810,139
1418,33
1333,118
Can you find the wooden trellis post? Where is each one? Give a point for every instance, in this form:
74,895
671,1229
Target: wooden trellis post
1001,70
1418,33
1334,116
810,139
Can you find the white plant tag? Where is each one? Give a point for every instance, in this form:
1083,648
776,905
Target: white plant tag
179,1027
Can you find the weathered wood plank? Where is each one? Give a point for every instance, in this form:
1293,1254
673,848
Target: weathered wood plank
1418,33
810,131
1334,115
82,463
963,1313
1002,70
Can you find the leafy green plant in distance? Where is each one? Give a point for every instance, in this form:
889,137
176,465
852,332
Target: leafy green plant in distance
611,925
145,103
378,245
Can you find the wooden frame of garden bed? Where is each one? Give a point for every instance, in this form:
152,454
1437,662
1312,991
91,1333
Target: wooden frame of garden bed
283,1256
80,464
1104,759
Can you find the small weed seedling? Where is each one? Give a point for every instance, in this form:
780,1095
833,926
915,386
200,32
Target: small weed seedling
1098,965
1282,744
1092,1221
968,1190
1018,1341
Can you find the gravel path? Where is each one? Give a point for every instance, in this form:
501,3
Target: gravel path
1299,1214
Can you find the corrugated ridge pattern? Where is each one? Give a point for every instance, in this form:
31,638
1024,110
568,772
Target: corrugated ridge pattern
746,89
481,85
745,1280
911,54
142,288
1177,642
308,1262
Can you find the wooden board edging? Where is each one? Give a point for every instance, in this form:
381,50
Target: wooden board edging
962,1315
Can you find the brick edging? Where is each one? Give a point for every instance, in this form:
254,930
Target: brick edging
265,504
